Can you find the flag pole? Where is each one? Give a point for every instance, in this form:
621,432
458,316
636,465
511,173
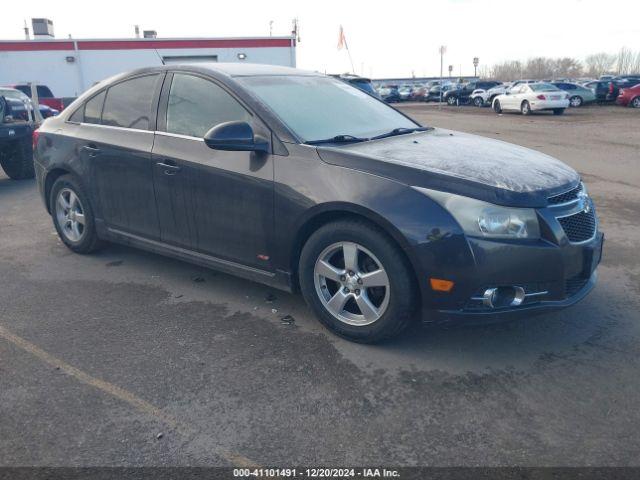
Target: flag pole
346,45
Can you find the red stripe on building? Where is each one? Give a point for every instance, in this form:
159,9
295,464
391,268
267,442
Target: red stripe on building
22,46
155,44
34,46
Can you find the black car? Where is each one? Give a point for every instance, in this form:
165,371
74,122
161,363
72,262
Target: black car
362,83
17,124
461,95
299,181
605,90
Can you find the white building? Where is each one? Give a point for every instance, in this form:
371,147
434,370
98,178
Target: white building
71,66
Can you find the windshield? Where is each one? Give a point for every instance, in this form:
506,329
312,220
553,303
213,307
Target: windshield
543,87
317,108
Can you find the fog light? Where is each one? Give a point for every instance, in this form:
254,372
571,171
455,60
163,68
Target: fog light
503,297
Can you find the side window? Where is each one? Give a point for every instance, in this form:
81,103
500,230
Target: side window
93,109
196,105
129,104
78,115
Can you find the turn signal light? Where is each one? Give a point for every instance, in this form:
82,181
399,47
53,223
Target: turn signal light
440,285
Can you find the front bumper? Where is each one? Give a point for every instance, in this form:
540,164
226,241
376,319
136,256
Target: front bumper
555,276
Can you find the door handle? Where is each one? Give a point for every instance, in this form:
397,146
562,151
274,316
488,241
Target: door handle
169,167
92,149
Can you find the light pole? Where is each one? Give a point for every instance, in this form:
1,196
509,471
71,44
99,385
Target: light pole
476,62
443,50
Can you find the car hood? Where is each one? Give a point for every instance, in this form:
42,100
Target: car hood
460,163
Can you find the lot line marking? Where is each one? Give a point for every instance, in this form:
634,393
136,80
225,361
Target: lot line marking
118,392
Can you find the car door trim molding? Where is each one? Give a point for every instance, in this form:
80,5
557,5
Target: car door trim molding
277,279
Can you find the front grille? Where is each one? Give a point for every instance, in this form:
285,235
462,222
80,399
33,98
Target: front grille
579,227
565,197
574,285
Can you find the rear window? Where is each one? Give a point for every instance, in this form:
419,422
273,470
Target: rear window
129,104
543,87
43,91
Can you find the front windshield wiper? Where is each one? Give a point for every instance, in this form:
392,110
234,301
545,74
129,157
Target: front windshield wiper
400,131
338,139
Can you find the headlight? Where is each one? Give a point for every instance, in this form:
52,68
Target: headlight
483,219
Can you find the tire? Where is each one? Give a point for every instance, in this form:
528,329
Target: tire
17,162
87,241
394,304
576,101
635,103
496,107
451,100
525,108
558,111
478,102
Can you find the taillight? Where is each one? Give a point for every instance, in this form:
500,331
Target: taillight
541,97
611,88
34,137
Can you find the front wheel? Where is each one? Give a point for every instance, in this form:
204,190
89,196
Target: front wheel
575,101
478,101
357,281
496,107
525,108
558,111
635,103
451,100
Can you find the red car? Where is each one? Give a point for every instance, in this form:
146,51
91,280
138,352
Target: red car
629,97
45,96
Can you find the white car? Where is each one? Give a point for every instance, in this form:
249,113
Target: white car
532,97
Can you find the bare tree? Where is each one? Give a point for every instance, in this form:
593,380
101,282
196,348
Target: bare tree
599,63
624,62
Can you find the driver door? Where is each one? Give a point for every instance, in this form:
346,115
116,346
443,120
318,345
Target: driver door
216,202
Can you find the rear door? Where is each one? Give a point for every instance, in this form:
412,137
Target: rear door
216,202
116,138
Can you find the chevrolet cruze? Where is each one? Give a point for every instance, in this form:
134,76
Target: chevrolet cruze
303,182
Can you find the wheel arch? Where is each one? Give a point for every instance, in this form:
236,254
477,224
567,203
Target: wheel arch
336,211
50,178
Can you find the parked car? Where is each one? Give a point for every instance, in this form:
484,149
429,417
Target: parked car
461,95
605,91
405,92
532,97
389,93
435,91
578,95
629,97
627,81
17,124
45,110
482,97
270,173
45,96
362,83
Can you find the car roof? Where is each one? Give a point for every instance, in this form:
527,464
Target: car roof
245,69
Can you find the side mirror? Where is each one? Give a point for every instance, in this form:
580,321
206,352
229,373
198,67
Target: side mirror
235,136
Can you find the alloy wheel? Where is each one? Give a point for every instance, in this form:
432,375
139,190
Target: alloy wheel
636,102
70,215
575,101
351,283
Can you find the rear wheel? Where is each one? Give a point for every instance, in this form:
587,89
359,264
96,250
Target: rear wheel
73,216
635,103
575,101
451,100
17,161
496,107
478,101
558,111
525,108
357,281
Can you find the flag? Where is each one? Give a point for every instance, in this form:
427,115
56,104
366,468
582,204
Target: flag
342,41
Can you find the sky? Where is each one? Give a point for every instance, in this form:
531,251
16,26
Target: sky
386,39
